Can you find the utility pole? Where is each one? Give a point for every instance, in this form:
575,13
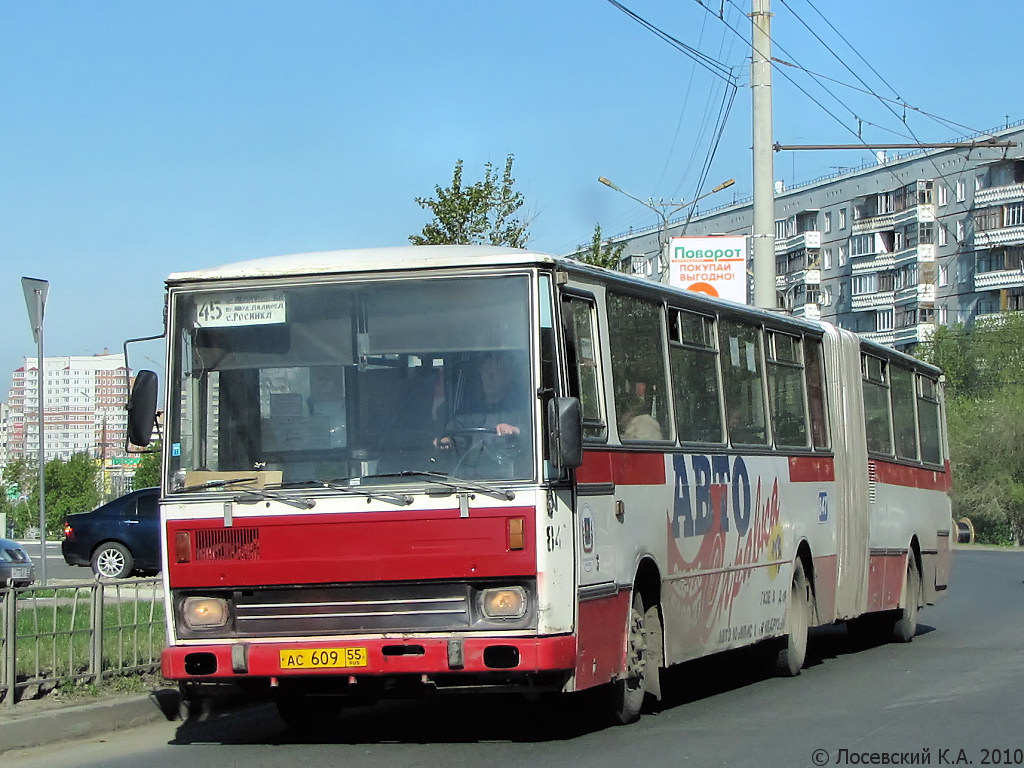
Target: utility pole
763,235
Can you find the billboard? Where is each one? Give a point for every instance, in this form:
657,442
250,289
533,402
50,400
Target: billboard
715,265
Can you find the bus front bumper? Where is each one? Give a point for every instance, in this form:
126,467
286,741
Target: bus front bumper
379,657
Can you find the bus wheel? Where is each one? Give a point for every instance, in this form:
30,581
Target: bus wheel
790,659
628,693
905,627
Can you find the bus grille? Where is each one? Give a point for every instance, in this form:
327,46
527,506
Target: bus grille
353,609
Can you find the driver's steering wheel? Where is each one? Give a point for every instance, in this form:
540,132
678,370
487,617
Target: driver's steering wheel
484,441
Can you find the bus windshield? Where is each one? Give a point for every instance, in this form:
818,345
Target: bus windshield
330,382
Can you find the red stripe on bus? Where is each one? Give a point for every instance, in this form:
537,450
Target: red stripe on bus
382,546
891,473
622,468
811,469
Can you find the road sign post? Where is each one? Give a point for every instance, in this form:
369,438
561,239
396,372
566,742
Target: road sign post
35,299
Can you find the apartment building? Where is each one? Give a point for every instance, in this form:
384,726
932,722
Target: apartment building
84,408
890,249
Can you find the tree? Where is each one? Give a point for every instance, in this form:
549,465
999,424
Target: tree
70,487
984,368
481,213
602,253
147,474
22,476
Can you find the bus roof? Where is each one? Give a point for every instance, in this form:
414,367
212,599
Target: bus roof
364,260
424,257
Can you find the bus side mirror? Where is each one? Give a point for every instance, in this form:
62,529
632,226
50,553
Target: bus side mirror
565,432
142,409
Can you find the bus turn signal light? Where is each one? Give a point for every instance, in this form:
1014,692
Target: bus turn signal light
182,547
516,533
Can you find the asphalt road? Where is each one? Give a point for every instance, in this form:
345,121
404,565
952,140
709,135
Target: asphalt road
949,697
56,568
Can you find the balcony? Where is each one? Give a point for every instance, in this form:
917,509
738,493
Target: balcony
1011,193
913,334
882,337
808,239
877,262
872,301
1001,236
924,213
883,222
999,279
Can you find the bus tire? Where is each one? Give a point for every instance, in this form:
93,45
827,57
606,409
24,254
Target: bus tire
627,695
791,656
905,626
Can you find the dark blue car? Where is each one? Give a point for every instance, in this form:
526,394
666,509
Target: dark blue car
116,539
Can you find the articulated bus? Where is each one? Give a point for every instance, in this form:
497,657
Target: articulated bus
462,468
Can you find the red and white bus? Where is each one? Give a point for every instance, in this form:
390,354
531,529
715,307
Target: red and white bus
350,511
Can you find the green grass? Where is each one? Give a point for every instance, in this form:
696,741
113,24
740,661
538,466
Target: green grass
54,635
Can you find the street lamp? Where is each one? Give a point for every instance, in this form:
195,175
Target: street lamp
665,210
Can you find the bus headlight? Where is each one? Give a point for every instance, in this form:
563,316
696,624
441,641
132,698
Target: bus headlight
205,612
503,603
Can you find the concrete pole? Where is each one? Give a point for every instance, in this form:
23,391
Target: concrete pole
763,235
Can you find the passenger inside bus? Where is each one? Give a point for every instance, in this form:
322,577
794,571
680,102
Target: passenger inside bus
635,420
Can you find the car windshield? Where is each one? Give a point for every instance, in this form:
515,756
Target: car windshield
307,384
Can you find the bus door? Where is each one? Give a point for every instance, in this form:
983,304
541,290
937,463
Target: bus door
602,605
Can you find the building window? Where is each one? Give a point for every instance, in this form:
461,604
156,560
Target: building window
960,231
884,320
827,257
943,235
1013,215
943,193
862,245
865,284
828,221
961,191
842,256
842,218
943,275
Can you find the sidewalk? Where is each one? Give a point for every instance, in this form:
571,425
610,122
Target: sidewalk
46,721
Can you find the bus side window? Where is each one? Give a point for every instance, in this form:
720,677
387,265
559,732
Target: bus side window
584,364
815,370
877,411
743,382
636,338
903,412
696,386
928,419
786,390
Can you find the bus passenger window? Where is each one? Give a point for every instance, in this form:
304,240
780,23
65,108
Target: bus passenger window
743,382
904,417
928,419
696,388
877,412
786,390
636,338
814,368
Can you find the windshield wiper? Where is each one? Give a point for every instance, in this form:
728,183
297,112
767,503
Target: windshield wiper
400,499
455,483
252,494
215,484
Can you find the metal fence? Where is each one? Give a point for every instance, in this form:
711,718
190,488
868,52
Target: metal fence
69,634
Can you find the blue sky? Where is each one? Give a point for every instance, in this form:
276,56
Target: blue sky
141,138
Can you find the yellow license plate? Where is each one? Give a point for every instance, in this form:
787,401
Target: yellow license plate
323,658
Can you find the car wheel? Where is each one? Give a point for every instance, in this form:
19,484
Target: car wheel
112,561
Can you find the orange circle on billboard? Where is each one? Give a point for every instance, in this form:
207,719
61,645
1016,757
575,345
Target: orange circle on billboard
703,288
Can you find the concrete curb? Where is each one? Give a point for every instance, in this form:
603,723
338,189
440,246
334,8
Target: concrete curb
50,726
